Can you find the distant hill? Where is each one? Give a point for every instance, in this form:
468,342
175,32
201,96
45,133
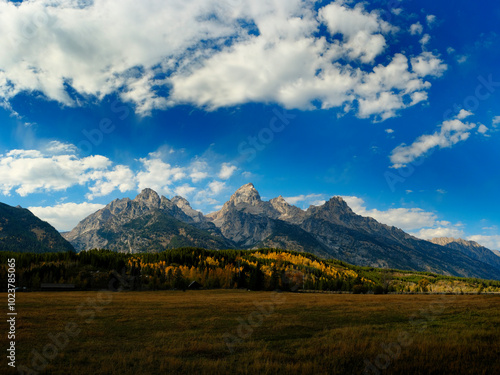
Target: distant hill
23,232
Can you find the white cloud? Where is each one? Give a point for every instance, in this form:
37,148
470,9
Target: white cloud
404,218
450,133
227,171
428,64
120,177
491,242
461,59
419,223
207,197
216,187
425,40
431,19
385,91
158,175
464,114
198,170
429,233
209,53
184,190
57,168
482,129
389,131
66,216
31,171
416,29
56,147
310,199
495,121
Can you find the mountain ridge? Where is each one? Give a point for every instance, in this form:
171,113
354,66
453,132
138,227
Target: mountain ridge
22,231
246,221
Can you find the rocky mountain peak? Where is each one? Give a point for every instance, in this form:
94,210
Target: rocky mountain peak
246,194
280,204
149,197
180,202
286,211
279,199
185,207
339,204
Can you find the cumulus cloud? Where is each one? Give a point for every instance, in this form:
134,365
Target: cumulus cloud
431,19
310,199
491,242
425,40
428,64
207,196
66,216
216,187
227,171
198,170
450,133
420,223
416,29
31,171
184,190
404,218
482,129
158,175
429,233
208,53
56,167
463,114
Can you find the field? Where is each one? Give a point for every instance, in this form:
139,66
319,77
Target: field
240,332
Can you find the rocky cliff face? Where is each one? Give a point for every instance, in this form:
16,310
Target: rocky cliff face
146,223
21,231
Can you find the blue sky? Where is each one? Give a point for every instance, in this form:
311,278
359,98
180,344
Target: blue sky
391,104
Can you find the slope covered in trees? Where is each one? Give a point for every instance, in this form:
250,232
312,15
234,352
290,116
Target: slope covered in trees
21,231
265,269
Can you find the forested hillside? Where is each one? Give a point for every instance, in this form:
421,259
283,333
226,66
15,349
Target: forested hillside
265,269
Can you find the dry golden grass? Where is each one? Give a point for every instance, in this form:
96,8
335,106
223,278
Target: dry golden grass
185,333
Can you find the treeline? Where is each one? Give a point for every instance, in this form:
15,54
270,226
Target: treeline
266,269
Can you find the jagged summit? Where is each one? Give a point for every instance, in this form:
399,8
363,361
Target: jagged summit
149,197
184,205
246,194
334,210
178,200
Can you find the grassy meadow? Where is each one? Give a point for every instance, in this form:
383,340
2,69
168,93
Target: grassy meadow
240,332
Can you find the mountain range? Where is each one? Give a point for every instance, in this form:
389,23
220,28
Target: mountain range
150,223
